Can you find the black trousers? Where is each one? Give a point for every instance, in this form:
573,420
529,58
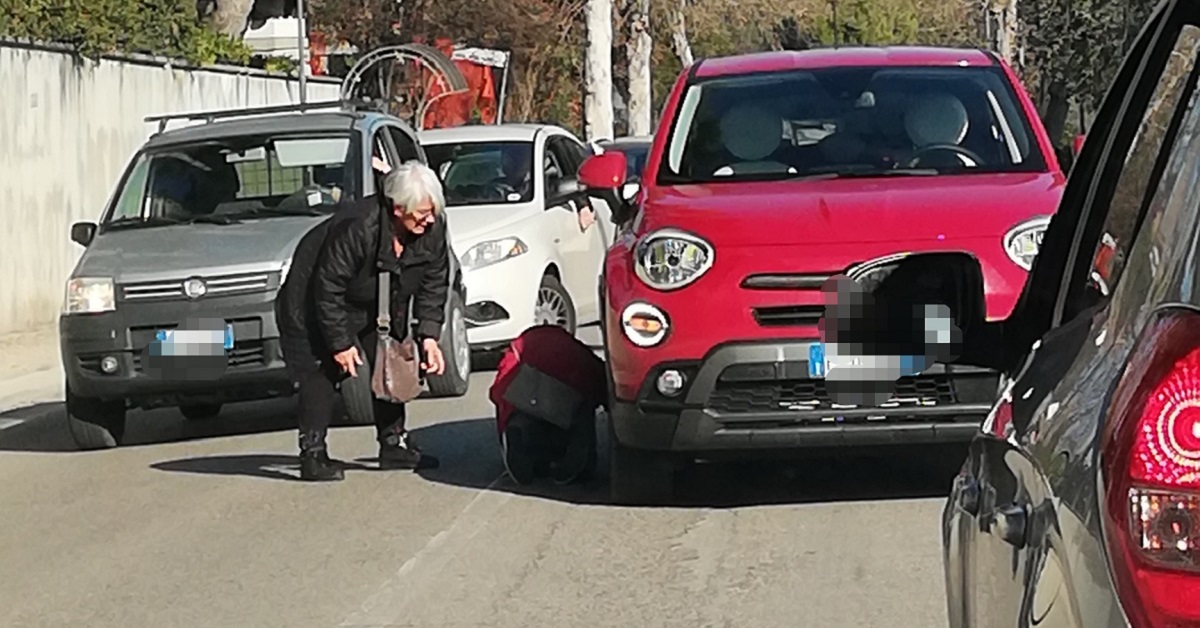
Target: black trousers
316,376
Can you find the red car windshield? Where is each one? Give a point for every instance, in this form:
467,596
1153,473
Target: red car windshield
855,121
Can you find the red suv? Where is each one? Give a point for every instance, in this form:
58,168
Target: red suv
769,174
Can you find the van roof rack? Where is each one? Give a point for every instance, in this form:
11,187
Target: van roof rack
211,116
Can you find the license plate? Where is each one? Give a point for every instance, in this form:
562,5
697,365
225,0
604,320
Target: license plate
169,337
817,365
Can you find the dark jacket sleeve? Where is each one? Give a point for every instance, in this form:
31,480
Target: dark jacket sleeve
347,249
429,304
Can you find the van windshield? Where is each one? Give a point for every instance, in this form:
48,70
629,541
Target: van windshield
850,121
234,179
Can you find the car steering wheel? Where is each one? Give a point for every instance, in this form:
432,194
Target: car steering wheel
913,161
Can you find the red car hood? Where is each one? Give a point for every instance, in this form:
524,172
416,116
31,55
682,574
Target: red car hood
850,211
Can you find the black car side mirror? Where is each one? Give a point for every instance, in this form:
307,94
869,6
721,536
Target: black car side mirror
82,233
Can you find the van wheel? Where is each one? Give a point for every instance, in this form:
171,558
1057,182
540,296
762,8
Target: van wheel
95,423
554,305
456,348
358,397
200,411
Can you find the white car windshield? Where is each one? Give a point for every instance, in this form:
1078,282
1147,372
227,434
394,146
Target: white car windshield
478,173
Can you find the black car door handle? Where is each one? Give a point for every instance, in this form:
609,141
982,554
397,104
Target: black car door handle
1010,524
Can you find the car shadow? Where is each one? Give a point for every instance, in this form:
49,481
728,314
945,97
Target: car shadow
43,427
469,452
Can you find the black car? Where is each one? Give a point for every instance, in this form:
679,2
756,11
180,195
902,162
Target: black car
1079,501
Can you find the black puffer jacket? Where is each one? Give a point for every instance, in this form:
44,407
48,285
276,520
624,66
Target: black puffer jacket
344,283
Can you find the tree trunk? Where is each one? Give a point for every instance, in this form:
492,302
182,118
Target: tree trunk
1058,105
638,51
598,103
679,38
230,17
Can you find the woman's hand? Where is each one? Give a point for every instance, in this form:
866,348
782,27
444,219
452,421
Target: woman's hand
586,218
435,362
349,360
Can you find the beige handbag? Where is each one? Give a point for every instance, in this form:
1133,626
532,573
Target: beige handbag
397,376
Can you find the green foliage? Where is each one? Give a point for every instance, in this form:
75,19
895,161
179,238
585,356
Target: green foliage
94,27
286,65
1077,45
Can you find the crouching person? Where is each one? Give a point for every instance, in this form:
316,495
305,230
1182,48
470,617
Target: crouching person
547,390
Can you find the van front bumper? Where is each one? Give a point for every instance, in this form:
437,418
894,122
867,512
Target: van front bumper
254,370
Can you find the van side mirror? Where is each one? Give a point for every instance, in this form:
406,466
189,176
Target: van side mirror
82,233
603,176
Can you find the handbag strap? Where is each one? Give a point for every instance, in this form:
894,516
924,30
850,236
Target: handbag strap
383,318
383,321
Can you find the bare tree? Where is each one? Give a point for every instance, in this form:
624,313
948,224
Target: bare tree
598,102
638,49
679,36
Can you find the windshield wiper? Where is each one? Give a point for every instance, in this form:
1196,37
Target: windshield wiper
275,211
866,174
134,222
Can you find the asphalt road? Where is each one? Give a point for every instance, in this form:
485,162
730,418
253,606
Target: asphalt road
202,524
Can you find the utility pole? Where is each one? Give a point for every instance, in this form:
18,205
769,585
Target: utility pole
836,26
302,50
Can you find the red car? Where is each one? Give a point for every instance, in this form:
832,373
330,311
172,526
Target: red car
769,174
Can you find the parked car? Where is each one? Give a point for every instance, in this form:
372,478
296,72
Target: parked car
636,149
525,259
191,250
1079,502
771,173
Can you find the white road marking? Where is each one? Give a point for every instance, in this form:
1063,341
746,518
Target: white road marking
389,602
7,423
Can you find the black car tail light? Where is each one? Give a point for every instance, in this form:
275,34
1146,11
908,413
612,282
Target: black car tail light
1150,461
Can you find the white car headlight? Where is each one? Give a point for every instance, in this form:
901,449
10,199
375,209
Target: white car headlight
492,252
1023,241
90,295
671,259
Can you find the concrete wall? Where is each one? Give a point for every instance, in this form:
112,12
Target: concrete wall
67,129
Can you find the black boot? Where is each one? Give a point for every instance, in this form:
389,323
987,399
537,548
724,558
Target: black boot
315,463
395,452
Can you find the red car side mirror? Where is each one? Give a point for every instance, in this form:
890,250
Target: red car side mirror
605,171
1077,145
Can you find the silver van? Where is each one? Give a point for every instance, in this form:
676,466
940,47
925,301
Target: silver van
191,250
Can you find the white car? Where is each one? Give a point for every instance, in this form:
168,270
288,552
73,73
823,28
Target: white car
525,257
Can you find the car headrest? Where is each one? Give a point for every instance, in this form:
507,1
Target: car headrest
937,118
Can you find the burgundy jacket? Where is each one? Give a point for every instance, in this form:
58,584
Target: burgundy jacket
553,351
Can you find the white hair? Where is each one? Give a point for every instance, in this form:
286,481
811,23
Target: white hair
412,182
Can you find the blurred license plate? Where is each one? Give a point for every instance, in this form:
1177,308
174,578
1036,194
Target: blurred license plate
817,365
170,338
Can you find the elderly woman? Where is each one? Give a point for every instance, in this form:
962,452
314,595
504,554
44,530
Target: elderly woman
327,308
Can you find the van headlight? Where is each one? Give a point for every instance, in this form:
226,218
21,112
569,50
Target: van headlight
492,252
671,259
90,295
1023,241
